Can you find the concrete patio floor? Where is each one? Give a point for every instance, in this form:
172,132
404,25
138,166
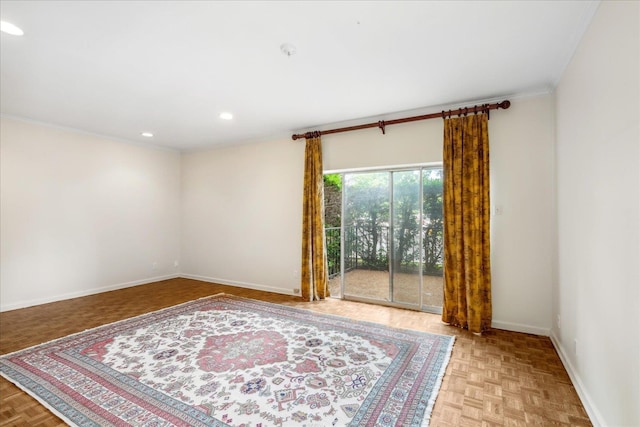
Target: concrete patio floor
372,284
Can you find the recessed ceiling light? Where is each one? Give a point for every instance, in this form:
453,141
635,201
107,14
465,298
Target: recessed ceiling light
9,28
226,116
147,134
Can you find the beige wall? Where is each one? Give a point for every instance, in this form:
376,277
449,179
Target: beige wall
81,214
241,215
403,144
522,238
596,304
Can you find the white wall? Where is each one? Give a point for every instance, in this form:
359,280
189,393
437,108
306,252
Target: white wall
522,238
596,291
403,144
242,215
82,214
241,219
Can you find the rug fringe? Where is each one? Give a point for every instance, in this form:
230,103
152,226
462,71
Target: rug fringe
432,400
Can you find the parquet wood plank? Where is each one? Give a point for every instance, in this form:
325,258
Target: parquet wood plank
499,379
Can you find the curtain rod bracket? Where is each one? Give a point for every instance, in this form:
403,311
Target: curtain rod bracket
381,125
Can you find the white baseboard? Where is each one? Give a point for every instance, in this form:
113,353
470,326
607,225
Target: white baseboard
238,284
587,402
518,327
83,293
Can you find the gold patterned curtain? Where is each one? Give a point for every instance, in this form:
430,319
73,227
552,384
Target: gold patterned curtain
467,264
314,284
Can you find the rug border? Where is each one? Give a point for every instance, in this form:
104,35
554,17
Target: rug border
438,384
427,413
39,400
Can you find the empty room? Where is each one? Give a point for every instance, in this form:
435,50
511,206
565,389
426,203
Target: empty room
320,213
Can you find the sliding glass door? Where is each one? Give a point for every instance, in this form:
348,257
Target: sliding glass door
384,236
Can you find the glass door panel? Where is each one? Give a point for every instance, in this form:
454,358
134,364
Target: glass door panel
405,220
366,235
432,240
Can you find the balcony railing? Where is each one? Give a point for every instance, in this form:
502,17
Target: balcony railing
368,248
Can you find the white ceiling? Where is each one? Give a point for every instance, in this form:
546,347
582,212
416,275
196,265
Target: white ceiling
118,68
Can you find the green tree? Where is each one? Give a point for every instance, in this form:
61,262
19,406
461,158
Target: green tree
406,214
367,220
333,211
367,207
332,200
333,180
433,224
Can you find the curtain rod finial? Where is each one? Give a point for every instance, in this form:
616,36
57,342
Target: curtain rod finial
505,104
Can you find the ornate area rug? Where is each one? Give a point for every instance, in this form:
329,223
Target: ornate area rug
230,361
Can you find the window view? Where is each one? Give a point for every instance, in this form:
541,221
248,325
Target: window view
432,239
384,236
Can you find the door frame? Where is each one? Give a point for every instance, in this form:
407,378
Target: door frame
421,167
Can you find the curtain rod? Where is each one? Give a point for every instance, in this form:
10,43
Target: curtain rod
484,108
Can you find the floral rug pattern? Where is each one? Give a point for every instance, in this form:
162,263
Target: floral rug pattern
229,361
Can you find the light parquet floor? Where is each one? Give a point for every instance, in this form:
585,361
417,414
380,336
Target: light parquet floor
499,379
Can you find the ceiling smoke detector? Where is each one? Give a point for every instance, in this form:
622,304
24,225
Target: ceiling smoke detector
288,49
